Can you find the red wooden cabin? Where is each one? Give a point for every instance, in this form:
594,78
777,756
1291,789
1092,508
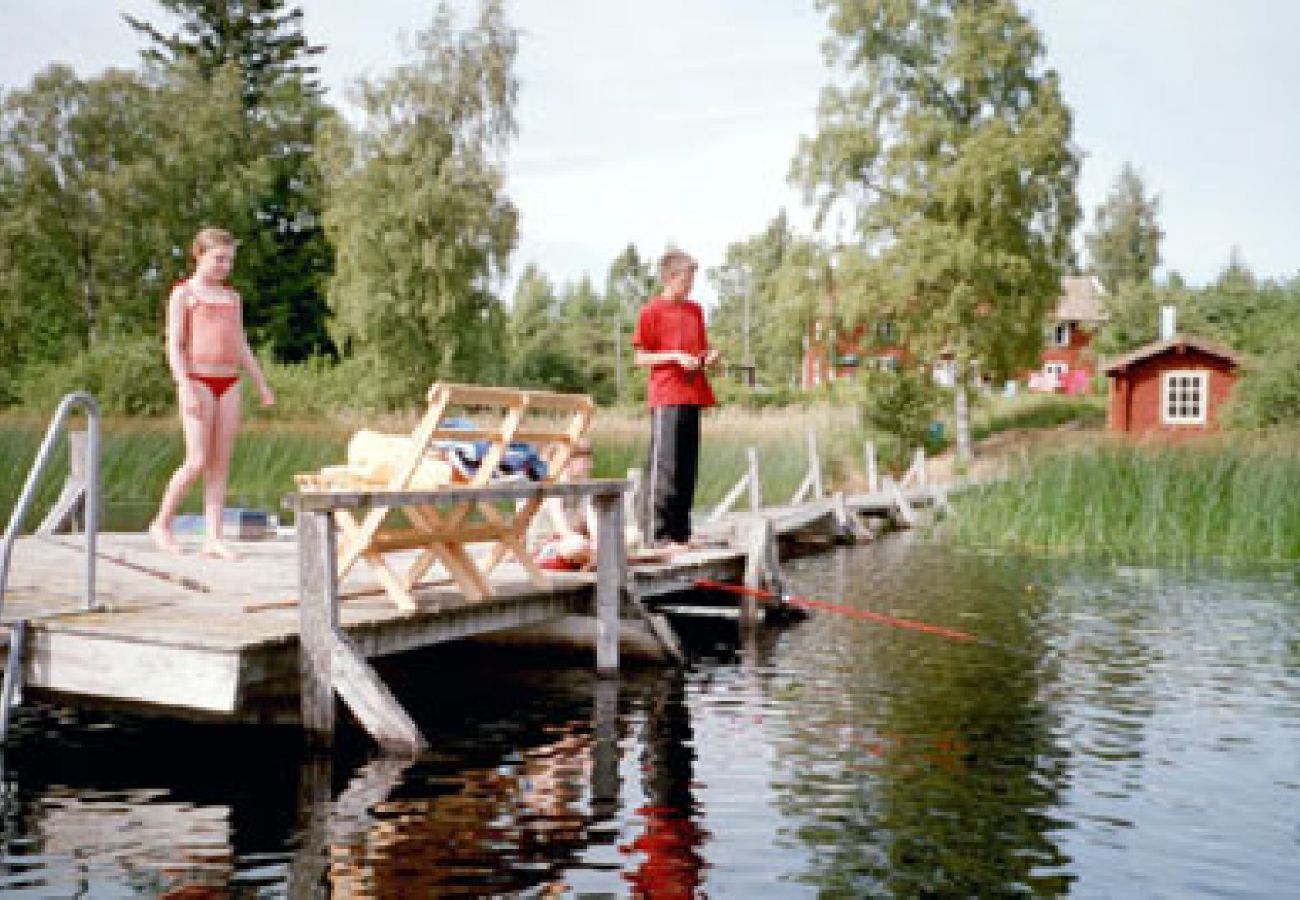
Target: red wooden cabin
1175,386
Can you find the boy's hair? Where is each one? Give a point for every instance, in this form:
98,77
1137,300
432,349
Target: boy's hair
206,239
676,261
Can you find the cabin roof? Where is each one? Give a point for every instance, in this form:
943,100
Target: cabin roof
1080,300
1156,348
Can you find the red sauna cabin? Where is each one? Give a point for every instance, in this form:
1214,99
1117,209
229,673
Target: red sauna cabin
1175,386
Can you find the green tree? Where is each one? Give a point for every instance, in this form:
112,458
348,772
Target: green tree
102,183
284,253
751,325
950,144
263,39
1124,245
537,356
416,208
628,284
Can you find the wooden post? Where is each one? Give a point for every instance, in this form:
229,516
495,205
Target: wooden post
755,486
330,662
611,573
68,509
873,475
918,461
814,465
632,503
318,607
760,551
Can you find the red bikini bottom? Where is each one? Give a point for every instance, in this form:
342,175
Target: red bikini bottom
217,384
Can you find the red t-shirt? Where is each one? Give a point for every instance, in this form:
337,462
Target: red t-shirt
667,326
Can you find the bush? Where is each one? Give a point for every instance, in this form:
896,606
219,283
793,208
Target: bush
127,374
1268,393
902,405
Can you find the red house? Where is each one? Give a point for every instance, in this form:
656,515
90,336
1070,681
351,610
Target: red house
1067,364
1175,386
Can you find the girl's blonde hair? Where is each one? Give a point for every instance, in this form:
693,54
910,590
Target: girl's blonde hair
208,238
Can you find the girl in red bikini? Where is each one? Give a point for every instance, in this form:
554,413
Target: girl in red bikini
206,348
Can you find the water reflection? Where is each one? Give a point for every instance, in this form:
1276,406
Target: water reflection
1116,733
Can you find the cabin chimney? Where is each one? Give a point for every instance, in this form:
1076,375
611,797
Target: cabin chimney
1168,316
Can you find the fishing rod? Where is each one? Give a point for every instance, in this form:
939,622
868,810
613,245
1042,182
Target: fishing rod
837,608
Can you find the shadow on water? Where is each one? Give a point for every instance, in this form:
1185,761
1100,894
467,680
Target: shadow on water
1116,731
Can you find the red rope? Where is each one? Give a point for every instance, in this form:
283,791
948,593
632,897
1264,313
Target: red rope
839,609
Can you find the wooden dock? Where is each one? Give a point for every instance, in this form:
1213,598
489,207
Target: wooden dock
197,637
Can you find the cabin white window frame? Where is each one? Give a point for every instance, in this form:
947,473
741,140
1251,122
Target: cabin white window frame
1061,334
1191,404
1056,367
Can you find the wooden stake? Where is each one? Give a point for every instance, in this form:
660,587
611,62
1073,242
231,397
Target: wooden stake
611,574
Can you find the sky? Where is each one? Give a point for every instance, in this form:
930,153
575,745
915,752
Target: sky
674,122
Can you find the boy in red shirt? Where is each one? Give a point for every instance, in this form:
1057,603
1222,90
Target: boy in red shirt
671,341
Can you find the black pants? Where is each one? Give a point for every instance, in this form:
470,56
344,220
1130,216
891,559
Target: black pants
670,477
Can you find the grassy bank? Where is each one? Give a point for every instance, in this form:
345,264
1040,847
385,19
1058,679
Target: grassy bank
1220,498
140,454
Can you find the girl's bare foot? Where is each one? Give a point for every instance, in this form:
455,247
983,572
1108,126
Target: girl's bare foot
163,539
218,550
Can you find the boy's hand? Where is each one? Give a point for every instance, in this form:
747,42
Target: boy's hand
711,358
688,361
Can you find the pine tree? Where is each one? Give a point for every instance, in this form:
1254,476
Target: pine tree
285,258
1124,245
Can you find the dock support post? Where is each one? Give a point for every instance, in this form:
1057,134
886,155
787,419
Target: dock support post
755,486
318,606
873,474
611,575
331,662
761,557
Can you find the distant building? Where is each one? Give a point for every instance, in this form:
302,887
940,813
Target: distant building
1067,362
855,348
1172,386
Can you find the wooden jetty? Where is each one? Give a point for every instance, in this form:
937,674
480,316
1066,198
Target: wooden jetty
273,636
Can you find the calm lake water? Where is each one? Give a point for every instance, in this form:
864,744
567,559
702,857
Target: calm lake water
1117,732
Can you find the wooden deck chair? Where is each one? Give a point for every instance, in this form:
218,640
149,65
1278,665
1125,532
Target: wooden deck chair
486,421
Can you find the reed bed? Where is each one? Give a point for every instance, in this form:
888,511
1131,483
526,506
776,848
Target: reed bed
139,455
1227,498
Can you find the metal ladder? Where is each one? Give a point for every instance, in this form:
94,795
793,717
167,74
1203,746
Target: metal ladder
11,690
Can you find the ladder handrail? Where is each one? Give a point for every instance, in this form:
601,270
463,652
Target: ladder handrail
33,478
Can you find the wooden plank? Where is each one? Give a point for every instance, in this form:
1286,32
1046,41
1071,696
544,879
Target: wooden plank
91,666
373,704
308,501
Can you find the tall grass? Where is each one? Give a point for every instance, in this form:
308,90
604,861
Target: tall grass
139,455
1231,499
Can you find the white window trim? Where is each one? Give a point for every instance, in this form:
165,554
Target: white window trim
1061,334
1202,376
1057,368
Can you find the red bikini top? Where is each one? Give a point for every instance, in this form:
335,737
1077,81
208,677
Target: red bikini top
214,332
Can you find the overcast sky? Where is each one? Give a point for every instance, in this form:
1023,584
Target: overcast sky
675,121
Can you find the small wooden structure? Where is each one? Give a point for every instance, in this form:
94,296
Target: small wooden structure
1175,386
430,458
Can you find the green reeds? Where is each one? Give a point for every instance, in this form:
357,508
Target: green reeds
1227,498
139,455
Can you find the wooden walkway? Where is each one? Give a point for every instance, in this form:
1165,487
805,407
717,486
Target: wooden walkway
192,636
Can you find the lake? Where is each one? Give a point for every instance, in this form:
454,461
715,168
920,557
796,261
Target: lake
1114,731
